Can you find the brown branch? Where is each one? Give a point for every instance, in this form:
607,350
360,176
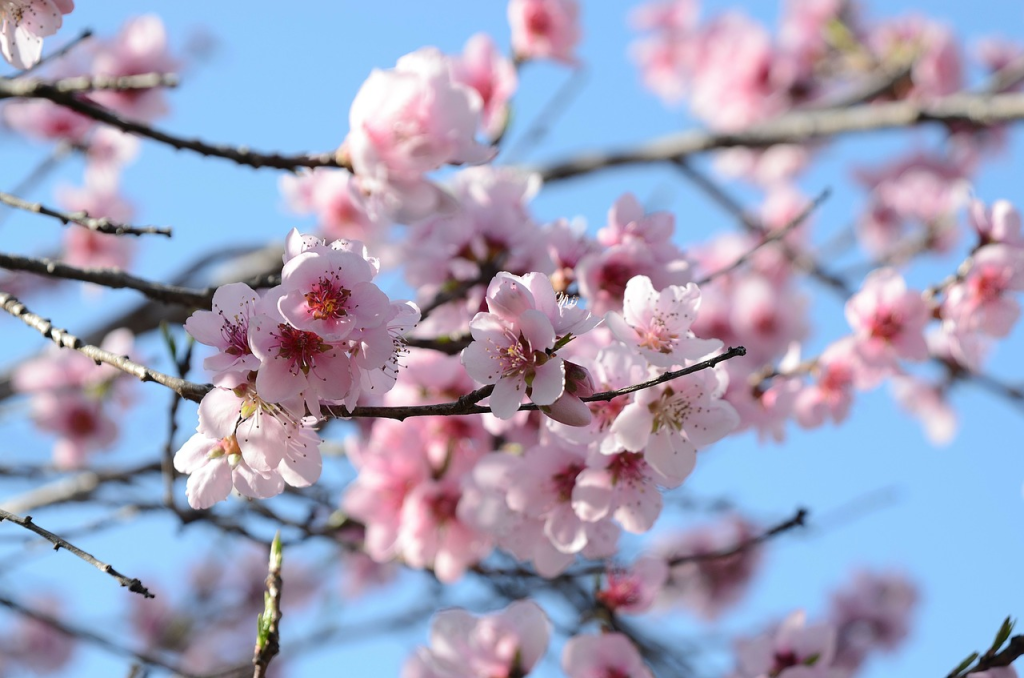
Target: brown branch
28,89
1010,654
92,637
134,585
801,127
467,403
240,155
74,488
797,520
775,235
113,278
63,339
103,225
63,51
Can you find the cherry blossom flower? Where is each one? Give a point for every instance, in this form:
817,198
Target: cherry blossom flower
514,343
214,466
623,486
632,590
927,403
793,650
999,223
981,301
872,613
838,370
708,587
482,67
333,197
412,119
140,47
506,644
226,328
601,656
657,324
888,320
544,29
24,24
669,422
99,198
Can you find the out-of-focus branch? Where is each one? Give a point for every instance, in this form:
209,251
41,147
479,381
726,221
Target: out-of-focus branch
241,155
92,637
797,520
113,278
90,83
64,339
775,235
268,636
800,127
134,585
74,488
82,218
60,53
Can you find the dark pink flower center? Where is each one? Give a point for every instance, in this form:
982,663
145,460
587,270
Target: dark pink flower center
886,325
236,336
565,480
628,467
784,660
327,299
623,589
988,285
443,506
82,422
538,21
299,347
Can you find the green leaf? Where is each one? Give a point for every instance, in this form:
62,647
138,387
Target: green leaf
562,341
1004,632
964,664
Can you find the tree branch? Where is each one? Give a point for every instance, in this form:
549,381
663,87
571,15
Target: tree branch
113,278
103,225
62,338
240,155
268,641
29,89
801,127
134,585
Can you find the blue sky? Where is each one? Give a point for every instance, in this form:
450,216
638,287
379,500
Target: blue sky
952,517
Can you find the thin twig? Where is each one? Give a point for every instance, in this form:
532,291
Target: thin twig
134,585
467,403
92,637
63,51
114,278
801,127
38,173
774,236
64,339
103,225
241,155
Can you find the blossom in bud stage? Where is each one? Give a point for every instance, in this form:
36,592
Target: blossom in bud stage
999,223
506,644
482,67
888,320
794,650
413,119
657,324
544,29
24,24
602,656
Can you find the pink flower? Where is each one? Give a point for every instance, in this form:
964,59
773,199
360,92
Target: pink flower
24,24
80,422
621,485
214,466
226,328
140,47
514,342
632,590
981,302
46,121
333,196
482,67
657,324
413,119
506,644
603,656
669,422
793,650
99,198
37,646
838,369
709,586
927,403
872,613
888,320
999,223
544,29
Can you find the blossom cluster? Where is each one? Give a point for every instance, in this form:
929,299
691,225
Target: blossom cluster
327,335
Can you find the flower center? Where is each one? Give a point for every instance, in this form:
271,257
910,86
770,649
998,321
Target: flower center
327,299
565,480
298,347
657,336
